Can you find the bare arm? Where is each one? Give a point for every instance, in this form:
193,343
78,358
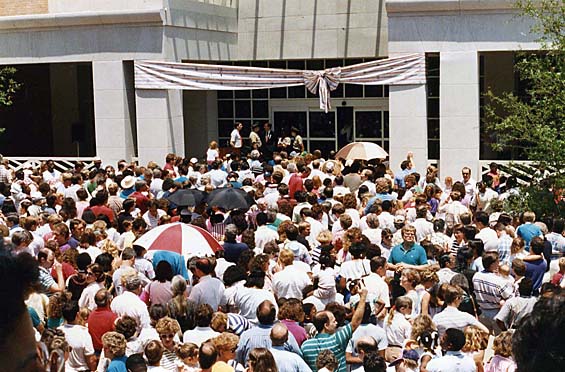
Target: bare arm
60,286
359,311
92,362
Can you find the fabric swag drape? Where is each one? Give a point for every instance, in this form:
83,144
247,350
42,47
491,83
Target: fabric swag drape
397,70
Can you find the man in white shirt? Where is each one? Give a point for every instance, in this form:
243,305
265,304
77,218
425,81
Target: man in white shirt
470,183
488,236
236,142
516,308
129,303
290,281
424,228
202,332
209,290
452,341
81,356
264,234
445,273
451,317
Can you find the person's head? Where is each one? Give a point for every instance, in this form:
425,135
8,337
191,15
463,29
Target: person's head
409,234
490,261
325,322
525,287
203,315
365,345
102,298
261,360
326,359
373,362
226,345
536,245
466,173
292,310
266,313
126,325
153,352
529,216
207,355
475,339
452,295
136,363
114,344
167,328
279,334
378,265
452,340
409,279
537,344
163,272
188,353
502,344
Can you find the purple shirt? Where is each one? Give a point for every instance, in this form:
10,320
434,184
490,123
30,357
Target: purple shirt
297,331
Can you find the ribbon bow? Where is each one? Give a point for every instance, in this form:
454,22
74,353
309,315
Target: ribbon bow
323,82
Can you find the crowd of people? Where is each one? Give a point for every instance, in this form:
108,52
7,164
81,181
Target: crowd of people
335,266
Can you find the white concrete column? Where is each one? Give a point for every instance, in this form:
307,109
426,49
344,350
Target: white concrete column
408,125
160,124
114,111
459,113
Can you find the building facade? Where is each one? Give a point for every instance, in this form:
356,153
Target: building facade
75,61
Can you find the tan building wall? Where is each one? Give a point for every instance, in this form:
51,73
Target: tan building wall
20,7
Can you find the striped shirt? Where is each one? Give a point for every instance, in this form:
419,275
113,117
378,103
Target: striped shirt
237,323
46,281
336,343
169,360
504,243
490,289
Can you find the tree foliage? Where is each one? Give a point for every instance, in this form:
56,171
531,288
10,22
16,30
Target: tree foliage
534,121
8,85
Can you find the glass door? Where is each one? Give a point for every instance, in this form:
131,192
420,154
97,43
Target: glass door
372,126
322,129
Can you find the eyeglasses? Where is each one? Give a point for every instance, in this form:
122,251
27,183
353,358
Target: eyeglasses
465,173
387,236
408,234
171,336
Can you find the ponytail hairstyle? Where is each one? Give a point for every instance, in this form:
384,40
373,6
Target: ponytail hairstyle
401,302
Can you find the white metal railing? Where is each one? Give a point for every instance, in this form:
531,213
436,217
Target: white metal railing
524,170
62,164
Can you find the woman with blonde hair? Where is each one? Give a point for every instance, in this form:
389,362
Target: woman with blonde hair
168,329
180,308
409,280
212,153
261,360
476,342
397,328
226,344
502,360
517,249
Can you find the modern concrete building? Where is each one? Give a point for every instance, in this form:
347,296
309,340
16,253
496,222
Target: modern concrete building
75,61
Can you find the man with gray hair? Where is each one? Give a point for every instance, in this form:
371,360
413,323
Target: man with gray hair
286,361
129,303
128,262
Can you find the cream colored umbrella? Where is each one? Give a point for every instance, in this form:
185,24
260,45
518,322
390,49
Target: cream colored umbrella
361,151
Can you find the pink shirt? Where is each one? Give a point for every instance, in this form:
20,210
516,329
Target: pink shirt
297,331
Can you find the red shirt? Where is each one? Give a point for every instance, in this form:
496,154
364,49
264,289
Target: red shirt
102,209
295,184
68,270
141,201
100,321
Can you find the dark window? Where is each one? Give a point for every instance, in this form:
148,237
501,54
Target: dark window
243,109
260,109
225,109
322,124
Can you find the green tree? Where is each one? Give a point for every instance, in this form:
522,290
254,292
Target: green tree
8,87
534,122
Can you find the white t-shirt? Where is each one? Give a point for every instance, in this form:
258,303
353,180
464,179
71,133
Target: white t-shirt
212,154
80,343
235,138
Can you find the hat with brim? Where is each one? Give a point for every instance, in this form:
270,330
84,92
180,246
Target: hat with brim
406,354
127,182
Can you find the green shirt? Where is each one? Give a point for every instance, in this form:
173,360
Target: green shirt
337,343
416,255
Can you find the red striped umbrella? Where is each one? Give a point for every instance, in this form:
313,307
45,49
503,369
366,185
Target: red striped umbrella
361,151
188,240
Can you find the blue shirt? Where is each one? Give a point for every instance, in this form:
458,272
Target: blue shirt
372,201
260,336
232,251
176,261
118,364
416,255
528,231
535,271
287,361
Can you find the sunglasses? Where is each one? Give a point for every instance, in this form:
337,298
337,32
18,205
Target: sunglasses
171,336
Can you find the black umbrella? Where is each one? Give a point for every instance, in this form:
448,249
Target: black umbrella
186,197
230,198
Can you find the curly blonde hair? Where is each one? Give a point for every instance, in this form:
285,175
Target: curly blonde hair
115,342
167,325
475,339
219,321
502,344
422,322
225,341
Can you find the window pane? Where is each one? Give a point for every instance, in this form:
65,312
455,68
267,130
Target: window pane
386,91
433,129
260,109
296,65
225,94
322,124
277,64
242,94
433,149
334,63
225,109
386,146
433,107
259,64
385,124
278,93
353,90
260,93
368,124
315,64
324,146
373,90
338,92
246,128
242,109
284,120
433,86
296,92
225,127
